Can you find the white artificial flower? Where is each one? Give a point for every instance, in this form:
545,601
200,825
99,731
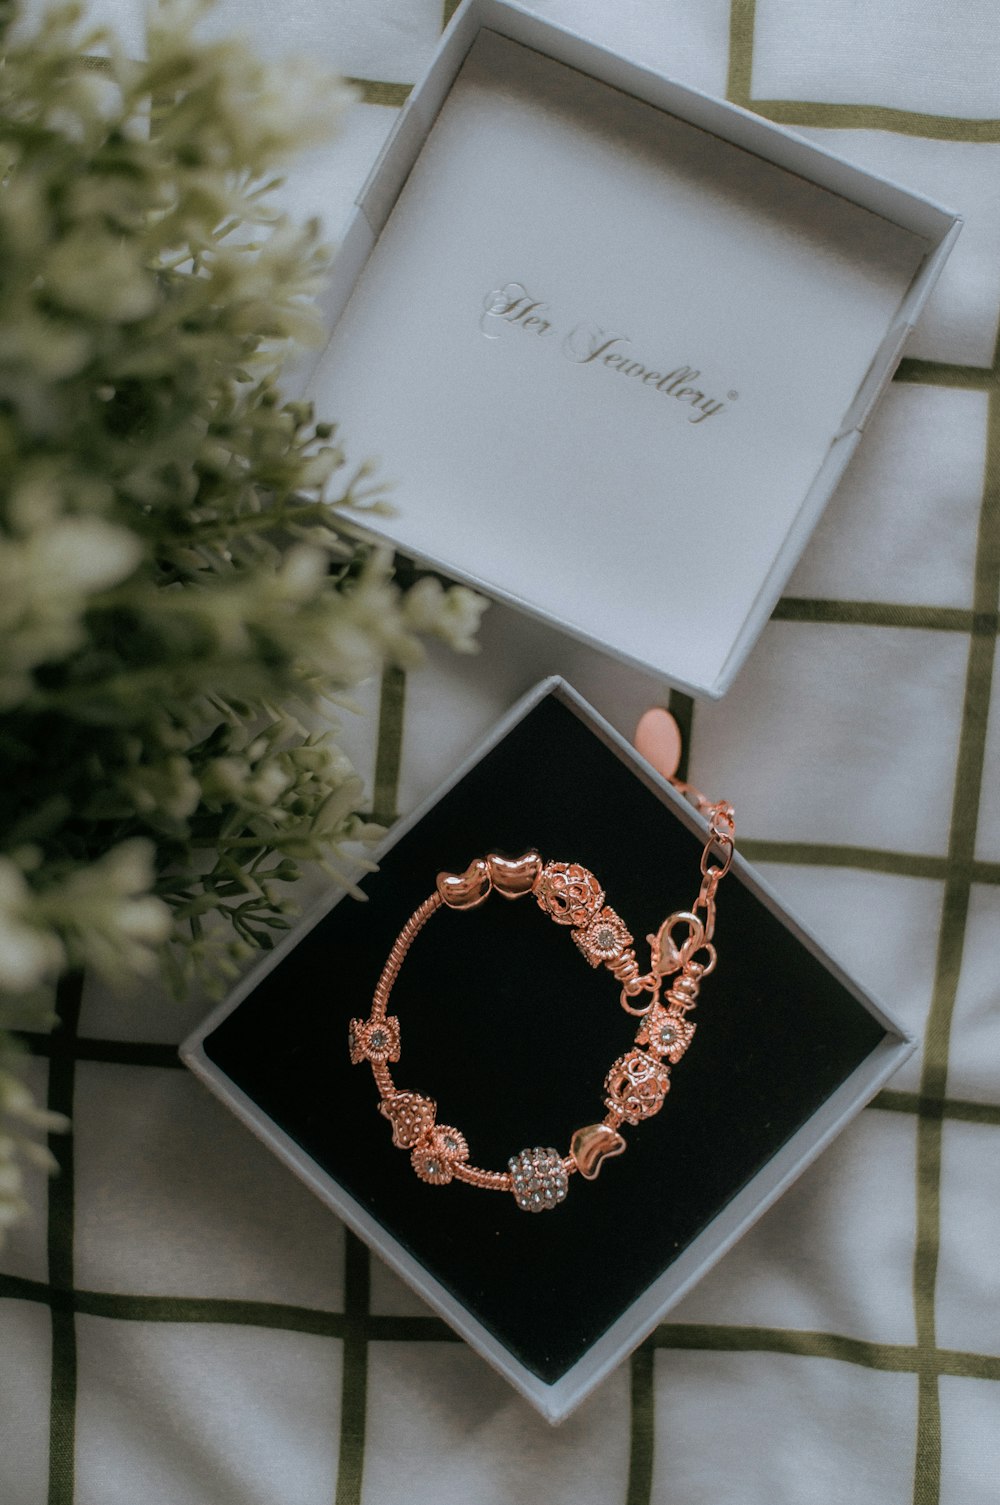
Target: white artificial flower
110,920
82,554
268,784
302,572
451,614
168,787
30,953
98,275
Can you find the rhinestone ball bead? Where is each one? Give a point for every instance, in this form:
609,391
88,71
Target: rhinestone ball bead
539,1179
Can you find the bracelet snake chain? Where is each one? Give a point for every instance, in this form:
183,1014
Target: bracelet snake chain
637,1082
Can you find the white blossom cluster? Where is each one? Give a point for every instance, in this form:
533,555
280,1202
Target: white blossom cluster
176,603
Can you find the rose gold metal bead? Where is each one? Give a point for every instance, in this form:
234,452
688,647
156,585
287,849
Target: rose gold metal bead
374,1039
666,1033
636,1086
684,990
604,939
435,1157
355,1035
410,1115
514,876
592,1145
568,892
466,890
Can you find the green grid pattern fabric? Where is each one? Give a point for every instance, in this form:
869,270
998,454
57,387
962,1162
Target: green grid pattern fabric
185,1324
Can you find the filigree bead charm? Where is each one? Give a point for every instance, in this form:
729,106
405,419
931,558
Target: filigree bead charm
410,1115
636,1086
538,1179
568,892
665,1032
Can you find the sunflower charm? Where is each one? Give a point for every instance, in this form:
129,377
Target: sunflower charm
373,1039
434,1158
665,1033
604,939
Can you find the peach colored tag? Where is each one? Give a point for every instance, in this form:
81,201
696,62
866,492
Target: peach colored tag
658,739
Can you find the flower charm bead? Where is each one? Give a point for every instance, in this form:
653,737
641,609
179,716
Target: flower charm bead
373,1039
435,1157
538,1179
605,939
410,1115
636,1086
665,1033
568,892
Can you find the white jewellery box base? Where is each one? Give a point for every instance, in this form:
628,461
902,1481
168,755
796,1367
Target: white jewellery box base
787,1052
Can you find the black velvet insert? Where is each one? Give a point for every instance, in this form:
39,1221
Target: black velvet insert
504,1023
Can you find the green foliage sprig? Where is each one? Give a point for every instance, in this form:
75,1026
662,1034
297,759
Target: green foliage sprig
176,602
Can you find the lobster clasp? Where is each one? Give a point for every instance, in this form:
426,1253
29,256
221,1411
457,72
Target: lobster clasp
667,955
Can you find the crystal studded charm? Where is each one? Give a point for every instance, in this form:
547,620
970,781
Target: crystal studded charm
538,1179
410,1115
636,1086
434,1158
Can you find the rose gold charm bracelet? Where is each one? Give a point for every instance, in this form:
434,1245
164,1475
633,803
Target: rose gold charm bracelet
637,1083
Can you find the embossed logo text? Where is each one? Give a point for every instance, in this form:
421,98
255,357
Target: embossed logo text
512,307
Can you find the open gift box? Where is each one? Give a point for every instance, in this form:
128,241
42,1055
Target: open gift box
505,1025
613,340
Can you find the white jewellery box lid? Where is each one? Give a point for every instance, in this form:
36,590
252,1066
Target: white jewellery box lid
613,341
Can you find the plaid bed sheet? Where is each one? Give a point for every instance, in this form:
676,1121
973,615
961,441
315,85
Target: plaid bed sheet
182,1324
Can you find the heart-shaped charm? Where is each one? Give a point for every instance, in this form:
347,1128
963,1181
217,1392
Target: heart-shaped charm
465,890
410,1115
514,876
591,1146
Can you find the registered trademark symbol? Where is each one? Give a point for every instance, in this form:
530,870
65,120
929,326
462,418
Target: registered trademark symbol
732,396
